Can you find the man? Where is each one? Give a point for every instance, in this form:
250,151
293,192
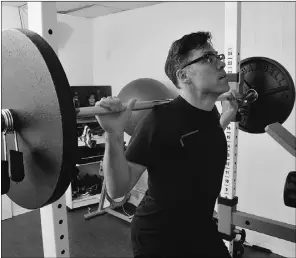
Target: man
183,147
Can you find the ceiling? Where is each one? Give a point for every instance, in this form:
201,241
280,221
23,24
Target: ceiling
89,9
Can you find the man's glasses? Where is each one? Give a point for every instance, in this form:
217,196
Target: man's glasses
210,58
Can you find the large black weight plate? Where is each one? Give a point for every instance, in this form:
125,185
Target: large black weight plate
276,93
35,87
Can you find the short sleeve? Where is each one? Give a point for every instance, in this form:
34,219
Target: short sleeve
140,147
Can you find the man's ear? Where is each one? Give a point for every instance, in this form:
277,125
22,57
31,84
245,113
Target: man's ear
182,76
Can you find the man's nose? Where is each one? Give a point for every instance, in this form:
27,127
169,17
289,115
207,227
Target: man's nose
220,64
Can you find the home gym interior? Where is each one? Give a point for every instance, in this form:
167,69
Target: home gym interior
59,58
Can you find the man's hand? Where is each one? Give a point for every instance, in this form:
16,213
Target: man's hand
115,123
231,107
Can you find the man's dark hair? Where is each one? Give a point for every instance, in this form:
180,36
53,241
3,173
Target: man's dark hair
180,51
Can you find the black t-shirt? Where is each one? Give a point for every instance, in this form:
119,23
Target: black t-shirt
184,149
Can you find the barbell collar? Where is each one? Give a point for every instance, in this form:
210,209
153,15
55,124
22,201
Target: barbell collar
250,96
7,124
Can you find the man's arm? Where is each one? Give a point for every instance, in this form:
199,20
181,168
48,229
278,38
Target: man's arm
231,106
123,168
121,176
227,117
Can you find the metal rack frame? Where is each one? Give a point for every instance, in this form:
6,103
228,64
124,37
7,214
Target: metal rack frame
42,19
228,216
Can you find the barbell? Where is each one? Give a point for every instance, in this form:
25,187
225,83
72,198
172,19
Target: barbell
38,113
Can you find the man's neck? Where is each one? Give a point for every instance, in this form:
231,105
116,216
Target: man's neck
198,99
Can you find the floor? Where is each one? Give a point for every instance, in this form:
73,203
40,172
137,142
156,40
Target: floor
103,236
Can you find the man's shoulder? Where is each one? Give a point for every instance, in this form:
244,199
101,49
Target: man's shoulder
162,121
159,115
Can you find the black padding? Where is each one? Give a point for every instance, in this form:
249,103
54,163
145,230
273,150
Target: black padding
290,190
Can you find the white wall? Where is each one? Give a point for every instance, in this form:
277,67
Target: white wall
75,44
74,40
135,43
76,48
10,18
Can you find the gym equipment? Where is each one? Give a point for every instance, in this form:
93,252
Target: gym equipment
276,93
288,142
281,135
290,190
38,107
110,209
147,90
274,87
36,91
5,177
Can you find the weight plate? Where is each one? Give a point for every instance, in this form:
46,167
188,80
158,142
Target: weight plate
36,89
276,93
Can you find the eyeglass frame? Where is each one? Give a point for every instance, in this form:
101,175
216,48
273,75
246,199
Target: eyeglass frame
218,56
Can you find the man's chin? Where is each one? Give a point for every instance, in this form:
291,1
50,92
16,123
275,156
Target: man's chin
223,88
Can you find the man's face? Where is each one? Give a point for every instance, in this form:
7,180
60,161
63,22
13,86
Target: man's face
208,74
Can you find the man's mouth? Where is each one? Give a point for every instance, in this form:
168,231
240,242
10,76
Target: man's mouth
222,77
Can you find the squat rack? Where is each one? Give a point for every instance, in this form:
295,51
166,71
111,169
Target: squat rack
228,216
42,19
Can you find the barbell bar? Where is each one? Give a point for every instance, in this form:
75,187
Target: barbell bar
249,97
7,125
37,95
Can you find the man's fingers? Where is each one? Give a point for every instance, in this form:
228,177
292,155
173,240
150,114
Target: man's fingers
115,104
105,105
111,103
236,94
228,96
